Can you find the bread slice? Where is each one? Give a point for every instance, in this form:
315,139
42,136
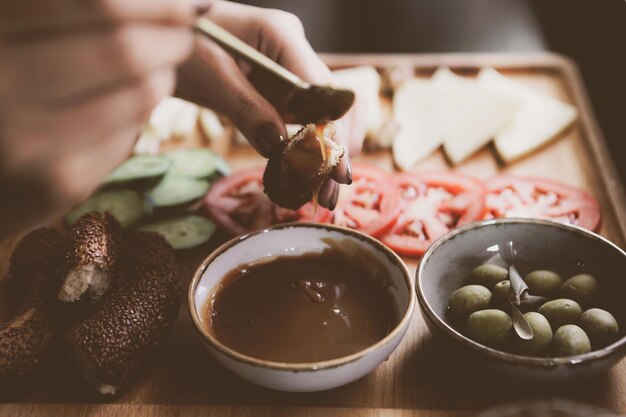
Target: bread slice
296,169
90,260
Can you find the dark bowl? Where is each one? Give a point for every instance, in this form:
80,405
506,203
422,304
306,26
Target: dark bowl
540,244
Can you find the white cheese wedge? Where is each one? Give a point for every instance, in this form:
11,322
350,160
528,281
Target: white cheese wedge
186,120
421,113
148,143
173,118
364,81
211,125
484,113
539,118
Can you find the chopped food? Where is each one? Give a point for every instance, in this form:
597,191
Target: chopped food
174,118
183,232
175,193
238,204
370,204
433,203
212,127
538,119
484,114
464,114
146,185
90,259
422,112
365,82
148,143
511,196
298,167
138,172
125,205
447,109
27,340
110,346
198,163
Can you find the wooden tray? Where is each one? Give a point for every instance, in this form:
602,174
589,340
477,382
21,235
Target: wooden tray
418,379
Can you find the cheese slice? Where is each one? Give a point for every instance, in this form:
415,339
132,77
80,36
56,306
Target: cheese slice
211,125
173,118
538,120
484,113
186,120
148,143
364,81
422,113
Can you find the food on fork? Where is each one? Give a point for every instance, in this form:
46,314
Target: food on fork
299,166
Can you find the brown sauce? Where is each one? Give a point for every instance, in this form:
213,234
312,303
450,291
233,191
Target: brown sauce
306,308
319,130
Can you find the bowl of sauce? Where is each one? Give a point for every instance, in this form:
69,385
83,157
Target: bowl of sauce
302,307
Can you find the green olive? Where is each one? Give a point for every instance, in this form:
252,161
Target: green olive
542,336
468,299
543,282
561,311
488,275
583,288
502,293
570,340
600,326
490,327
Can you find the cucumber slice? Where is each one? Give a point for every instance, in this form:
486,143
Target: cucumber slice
176,192
125,205
139,172
196,163
222,166
183,232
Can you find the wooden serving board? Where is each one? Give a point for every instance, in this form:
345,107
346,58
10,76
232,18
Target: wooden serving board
418,379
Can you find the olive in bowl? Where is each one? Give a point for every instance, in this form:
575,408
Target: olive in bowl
540,245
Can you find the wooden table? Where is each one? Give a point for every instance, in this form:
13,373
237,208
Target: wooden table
418,379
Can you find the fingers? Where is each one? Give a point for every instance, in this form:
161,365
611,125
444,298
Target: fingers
76,66
45,134
280,36
19,16
212,78
68,174
329,194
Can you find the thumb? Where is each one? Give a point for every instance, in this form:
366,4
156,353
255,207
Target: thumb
213,79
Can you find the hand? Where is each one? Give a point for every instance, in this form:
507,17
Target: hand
77,81
212,78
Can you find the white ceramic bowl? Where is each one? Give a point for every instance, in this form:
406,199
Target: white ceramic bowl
564,248
292,240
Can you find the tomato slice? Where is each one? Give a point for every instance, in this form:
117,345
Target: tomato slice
512,196
433,203
238,204
370,204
